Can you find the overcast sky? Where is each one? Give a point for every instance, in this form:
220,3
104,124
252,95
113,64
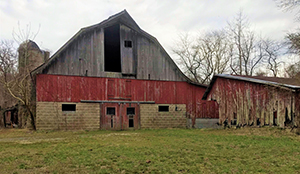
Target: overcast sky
59,20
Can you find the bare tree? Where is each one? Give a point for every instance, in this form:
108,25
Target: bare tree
15,75
293,41
188,57
236,49
247,50
205,56
273,51
18,84
289,5
7,70
293,70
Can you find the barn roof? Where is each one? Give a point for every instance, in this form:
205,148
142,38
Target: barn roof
121,17
287,83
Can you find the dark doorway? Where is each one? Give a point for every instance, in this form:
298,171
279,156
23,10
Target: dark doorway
274,118
131,113
111,111
288,121
10,118
112,53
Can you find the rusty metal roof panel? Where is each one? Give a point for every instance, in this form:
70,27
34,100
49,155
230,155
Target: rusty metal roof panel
255,80
258,80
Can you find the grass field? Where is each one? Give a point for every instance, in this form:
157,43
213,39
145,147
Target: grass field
247,150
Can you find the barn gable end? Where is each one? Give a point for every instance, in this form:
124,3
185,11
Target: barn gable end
117,48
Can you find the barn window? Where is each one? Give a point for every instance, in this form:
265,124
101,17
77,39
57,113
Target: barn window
130,111
128,43
110,111
112,53
68,107
163,108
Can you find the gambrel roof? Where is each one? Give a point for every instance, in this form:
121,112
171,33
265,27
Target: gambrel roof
120,18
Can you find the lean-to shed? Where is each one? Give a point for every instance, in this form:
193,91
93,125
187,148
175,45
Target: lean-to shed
255,100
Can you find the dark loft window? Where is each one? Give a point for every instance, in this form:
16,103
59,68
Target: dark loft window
68,107
110,111
112,53
128,43
163,108
130,111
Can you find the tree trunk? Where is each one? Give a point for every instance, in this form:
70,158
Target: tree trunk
31,116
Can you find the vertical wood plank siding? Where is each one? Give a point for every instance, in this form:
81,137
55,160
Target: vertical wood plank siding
85,57
58,88
249,102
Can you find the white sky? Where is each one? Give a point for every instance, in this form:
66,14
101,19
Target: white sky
59,20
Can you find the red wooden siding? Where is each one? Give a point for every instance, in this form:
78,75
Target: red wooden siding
248,102
58,88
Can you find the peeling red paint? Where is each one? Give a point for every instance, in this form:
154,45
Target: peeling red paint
252,103
58,88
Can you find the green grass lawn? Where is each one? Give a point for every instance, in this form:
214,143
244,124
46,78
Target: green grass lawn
247,150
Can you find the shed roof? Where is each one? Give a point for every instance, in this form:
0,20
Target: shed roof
287,83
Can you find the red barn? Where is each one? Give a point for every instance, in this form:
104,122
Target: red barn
114,75
255,100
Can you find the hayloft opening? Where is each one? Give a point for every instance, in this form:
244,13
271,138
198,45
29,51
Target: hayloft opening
112,53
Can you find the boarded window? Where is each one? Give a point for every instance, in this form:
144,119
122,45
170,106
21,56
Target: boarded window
130,111
110,111
112,49
128,43
68,107
163,108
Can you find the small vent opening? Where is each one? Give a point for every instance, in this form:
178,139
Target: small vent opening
163,108
68,107
128,43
